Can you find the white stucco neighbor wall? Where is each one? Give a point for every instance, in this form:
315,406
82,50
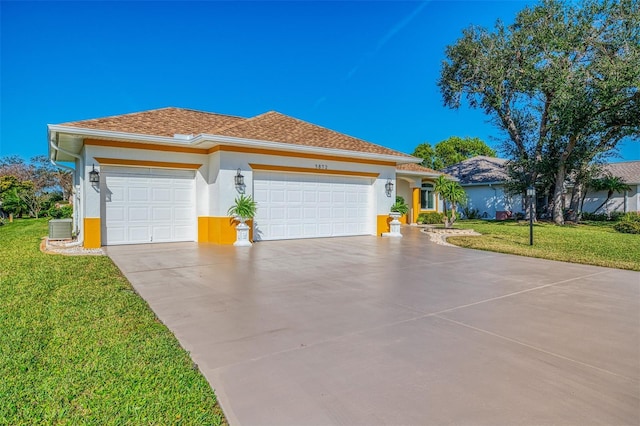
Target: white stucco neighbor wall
625,202
489,199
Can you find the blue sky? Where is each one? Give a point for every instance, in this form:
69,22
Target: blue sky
364,68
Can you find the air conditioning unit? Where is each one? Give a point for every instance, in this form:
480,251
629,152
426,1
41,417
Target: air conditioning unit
60,229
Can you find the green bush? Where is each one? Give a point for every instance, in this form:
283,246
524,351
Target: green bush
603,217
471,213
62,212
627,227
631,217
430,218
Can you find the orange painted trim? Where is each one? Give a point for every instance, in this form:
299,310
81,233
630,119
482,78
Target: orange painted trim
270,168
230,148
415,194
92,237
382,224
219,230
145,163
147,146
283,153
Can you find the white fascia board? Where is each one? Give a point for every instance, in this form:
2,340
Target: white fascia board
483,183
249,143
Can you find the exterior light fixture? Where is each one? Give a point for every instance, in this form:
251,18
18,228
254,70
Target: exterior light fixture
94,176
388,188
531,193
239,178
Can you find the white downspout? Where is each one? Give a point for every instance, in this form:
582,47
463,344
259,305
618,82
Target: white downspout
76,198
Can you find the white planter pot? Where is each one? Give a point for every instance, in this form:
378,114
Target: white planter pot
242,234
394,226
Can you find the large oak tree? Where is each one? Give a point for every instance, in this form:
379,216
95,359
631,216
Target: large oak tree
561,82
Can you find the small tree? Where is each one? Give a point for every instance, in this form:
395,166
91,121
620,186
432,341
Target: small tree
451,192
610,184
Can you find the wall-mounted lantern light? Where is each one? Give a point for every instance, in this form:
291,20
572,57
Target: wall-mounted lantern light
388,188
239,179
94,176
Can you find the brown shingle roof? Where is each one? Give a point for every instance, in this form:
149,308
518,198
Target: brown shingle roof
413,167
275,127
271,126
161,122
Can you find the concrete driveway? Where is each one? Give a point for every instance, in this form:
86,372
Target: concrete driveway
364,330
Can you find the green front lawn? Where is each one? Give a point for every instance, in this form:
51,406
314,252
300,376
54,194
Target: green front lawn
593,244
79,346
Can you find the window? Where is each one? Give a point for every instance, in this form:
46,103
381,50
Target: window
427,197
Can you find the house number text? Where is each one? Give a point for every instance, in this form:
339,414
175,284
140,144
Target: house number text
322,166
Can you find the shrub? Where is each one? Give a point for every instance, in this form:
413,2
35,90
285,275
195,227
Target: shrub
602,217
631,217
597,217
62,212
471,213
430,218
627,227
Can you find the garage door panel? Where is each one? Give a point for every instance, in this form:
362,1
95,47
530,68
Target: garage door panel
138,234
137,193
161,214
141,205
161,194
305,206
137,214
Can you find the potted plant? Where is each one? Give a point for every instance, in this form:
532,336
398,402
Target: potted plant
243,209
400,208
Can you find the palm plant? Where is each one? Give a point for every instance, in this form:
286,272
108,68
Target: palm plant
451,192
610,184
244,208
400,206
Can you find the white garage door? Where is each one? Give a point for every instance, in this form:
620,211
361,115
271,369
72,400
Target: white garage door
308,206
145,205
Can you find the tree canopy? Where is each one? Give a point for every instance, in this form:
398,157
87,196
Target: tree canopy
451,151
561,83
29,187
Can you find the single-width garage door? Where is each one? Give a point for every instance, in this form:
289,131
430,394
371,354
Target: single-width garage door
307,206
147,205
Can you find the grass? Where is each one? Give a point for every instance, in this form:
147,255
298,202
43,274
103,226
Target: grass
595,243
79,346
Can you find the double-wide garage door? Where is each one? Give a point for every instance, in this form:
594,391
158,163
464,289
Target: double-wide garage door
145,205
306,206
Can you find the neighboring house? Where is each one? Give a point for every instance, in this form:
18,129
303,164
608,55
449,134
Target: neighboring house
629,201
483,180
170,175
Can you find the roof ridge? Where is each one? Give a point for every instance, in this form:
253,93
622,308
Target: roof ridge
129,114
122,115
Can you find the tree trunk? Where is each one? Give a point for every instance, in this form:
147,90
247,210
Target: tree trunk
609,194
558,194
575,209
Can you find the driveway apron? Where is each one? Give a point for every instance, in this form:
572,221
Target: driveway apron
366,330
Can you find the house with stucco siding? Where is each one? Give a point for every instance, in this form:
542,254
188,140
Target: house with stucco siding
171,174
